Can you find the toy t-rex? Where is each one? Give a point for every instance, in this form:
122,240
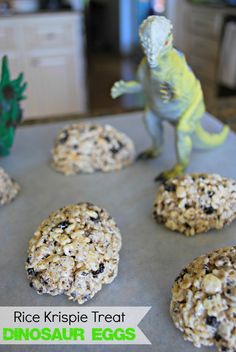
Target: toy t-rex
11,93
173,94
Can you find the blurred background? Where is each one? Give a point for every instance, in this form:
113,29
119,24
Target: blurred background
72,51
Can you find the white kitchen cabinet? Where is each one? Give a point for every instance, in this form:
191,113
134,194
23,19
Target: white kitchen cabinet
55,88
49,49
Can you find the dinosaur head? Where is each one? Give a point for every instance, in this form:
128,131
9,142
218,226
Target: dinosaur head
156,37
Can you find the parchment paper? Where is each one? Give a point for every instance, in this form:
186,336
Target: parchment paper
151,256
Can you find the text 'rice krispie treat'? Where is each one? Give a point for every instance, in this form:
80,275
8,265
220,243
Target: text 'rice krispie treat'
87,148
74,251
9,188
203,304
196,203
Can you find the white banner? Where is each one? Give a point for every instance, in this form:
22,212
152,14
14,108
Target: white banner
69,325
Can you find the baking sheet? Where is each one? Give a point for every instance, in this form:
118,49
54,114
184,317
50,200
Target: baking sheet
151,256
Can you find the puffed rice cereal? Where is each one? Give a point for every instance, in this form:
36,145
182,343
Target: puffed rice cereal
196,203
74,252
9,188
203,304
87,147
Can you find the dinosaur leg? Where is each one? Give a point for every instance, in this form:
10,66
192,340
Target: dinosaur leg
184,130
154,126
183,151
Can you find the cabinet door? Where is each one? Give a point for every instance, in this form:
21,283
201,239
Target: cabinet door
16,64
8,36
53,87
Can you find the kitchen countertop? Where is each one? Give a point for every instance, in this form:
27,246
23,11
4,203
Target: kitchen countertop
12,14
151,256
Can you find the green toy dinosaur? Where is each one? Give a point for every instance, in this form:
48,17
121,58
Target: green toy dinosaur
11,93
172,93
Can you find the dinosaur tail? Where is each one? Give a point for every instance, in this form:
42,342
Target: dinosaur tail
205,140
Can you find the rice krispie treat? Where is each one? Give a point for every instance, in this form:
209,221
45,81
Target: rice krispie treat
86,147
203,304
196,203
9,188
74,251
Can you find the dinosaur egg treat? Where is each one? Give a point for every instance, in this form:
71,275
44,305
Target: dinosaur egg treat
173,94
9,188
74,252
203,304
196,203
91,147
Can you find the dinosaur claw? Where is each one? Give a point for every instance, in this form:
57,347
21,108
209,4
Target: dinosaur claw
176,171
148,154
142,156
160,178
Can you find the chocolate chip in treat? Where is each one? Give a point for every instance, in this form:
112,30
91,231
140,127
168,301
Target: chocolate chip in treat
121,145
95,220
217,337
31,272
108,139
181,275
63,225
224,349
64,137
212,321
73,294
118,148
159,218
84,273
206,268
208,210
209,297
28,260
229,282
169,187
99,271
210,193
87,298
